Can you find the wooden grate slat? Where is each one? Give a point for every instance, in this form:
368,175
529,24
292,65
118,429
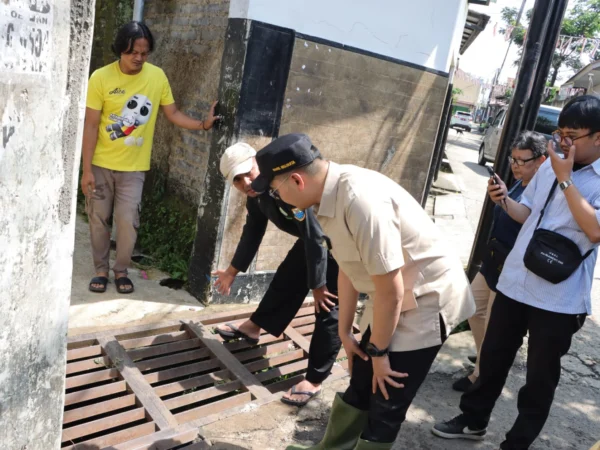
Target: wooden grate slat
190,369
191,383
96,409
93,393
106,423
115,438
204,394
87,364
163,349
274,361
215,407
85,352
171,360
154,340
91,378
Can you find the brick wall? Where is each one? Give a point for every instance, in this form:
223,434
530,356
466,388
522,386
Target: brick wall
190,37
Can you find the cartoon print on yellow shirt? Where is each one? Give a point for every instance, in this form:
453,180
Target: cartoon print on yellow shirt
136,112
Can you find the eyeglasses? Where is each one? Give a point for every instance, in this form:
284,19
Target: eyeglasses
520,162
273,192
559,138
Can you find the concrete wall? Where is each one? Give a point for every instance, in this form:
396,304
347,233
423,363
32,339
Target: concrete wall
471,89
43,75
422,32
357,109
190,37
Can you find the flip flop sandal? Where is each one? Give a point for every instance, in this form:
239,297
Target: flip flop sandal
123,281
98,280
235,334
299,403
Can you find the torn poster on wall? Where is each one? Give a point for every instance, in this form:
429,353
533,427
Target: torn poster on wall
25,36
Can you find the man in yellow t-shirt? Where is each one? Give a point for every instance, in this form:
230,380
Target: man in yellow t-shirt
122,106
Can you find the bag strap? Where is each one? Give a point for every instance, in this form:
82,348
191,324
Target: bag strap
552,189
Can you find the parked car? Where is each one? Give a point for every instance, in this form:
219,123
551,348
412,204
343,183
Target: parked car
546,123
462,119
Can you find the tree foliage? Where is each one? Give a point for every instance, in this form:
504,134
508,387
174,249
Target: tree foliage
582,21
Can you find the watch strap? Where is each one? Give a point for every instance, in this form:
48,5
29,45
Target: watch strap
374,351
565,184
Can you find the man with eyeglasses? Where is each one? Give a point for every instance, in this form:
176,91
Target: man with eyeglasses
307,265
549,310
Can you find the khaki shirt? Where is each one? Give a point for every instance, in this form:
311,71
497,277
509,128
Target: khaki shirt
375,227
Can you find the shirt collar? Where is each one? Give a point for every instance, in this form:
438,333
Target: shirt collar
329,196
596,166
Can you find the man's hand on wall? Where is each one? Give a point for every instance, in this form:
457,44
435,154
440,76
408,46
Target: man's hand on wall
211,119
322,296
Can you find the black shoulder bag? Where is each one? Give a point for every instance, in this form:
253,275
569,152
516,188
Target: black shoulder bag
550,255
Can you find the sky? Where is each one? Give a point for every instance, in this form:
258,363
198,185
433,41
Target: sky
485,55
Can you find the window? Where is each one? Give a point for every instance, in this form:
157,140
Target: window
547,122
498,118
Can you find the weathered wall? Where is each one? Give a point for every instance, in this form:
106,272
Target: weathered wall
426,32
43,75
190,37
357,109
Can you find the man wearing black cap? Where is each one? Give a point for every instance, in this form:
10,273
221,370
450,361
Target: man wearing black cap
307,265
387,247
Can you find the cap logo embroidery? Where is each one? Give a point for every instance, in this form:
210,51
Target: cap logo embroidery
284,166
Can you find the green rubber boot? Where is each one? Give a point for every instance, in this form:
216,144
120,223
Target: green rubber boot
366,445
345,426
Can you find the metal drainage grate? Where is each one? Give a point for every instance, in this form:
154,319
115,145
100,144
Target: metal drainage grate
132,388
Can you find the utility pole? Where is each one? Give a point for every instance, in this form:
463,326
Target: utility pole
535,65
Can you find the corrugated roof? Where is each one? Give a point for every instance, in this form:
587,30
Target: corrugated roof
475,24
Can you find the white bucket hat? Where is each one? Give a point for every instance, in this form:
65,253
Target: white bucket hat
237,159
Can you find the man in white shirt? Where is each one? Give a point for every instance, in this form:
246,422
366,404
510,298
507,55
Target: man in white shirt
528,303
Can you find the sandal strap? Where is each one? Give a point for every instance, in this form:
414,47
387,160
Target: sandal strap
310,394
99,280
123,280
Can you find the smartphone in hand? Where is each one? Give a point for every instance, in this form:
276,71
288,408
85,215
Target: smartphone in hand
492,174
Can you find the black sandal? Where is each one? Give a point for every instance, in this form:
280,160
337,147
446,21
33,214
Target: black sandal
289,401
123,281
235,334
99,280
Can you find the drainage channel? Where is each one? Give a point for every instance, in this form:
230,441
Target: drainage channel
133,388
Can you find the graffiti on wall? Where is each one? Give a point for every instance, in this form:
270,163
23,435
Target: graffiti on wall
25,36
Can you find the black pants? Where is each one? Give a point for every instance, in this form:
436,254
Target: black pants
386,416
283,299
549,339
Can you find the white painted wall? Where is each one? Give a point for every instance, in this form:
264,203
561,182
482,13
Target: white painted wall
422,32
43,75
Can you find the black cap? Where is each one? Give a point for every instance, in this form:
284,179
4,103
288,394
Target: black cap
283,155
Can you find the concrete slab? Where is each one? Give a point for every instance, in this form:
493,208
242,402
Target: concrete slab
150,302
447,181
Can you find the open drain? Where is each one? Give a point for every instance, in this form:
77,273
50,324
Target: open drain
130,388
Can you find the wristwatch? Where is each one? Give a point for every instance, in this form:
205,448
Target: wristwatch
565,184
374,352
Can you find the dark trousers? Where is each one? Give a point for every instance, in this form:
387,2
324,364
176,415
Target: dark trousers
283,299
549,339
386,416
